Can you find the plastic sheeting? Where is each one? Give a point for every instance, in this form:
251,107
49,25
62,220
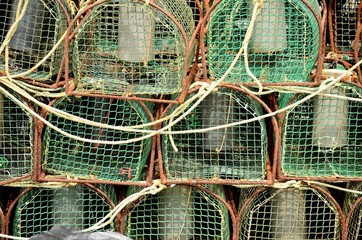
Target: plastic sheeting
62,233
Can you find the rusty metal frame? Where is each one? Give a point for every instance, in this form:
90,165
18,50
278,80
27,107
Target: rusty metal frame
271,158
355,205
2,220
189,72
9,214
41,176
337,207
225,202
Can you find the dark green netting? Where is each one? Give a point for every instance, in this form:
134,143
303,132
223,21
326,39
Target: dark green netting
16,140
129,47
68,157
179,212
231,153
345,24
76,207
291,213
354,230
283,48
322,137
41,27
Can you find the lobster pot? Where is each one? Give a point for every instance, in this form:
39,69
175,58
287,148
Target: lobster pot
230,153
290,213
179,212
354,230
344,24
42,26
97,161
283,47
129,47
16,139
76,208
321,137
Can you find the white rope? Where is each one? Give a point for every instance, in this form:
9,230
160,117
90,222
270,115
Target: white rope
156,187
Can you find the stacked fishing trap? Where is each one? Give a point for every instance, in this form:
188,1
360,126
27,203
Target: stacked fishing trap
182,119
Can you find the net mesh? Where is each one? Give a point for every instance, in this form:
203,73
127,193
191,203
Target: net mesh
322,136
128,47
283,47
16,140
76,207
231,153
290,213
68,157
41,27
180,212
345,24
354,230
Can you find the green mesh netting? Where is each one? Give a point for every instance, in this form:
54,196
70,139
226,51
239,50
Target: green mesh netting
322,137
128,47
179,212
354,230
41,27
76,207
231,153
16,140
283,47
344,24
292,214
68,157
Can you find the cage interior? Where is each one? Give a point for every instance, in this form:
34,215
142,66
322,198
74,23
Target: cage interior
128,47
232,153
119,162
322,136
179,212
345,24
290,213
76,208
16,140
283,46
42,25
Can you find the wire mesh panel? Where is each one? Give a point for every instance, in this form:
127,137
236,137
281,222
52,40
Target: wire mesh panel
179,212
322,136
344,24
76,208
120,162
16,140
292,214
354,230
283,47
43,24
231,153
129,47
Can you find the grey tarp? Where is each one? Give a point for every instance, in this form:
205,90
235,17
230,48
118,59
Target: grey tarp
63,233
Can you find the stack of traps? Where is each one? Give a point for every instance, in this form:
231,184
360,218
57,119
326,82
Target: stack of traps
231,153
41,27
76,208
